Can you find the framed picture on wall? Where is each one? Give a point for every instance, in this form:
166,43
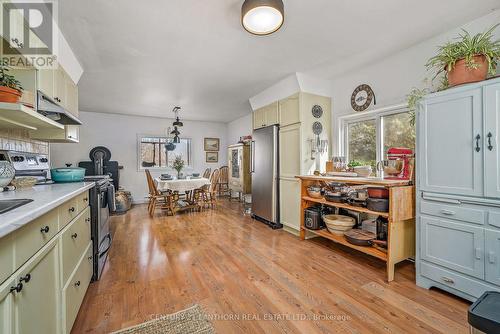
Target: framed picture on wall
212,157
212,144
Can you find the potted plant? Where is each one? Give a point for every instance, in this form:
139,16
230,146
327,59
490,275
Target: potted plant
178,165
468,59
10,88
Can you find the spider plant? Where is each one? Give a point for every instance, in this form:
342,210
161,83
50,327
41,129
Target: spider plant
467,47
8,80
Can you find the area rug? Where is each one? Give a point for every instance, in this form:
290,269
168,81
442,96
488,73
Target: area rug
191,320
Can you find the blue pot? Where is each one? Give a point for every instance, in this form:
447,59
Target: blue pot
69,174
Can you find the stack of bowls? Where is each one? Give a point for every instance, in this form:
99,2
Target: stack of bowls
338,224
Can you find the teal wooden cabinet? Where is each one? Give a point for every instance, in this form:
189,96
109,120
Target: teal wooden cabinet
458,190
492,256
449,134
453,245
491,98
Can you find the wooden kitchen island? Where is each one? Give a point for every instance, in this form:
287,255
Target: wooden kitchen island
401,217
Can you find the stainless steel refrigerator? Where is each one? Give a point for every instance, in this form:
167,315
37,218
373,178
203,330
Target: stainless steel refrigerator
265,176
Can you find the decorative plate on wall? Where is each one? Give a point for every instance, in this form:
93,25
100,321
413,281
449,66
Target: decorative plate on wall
317,128
317,111
362,97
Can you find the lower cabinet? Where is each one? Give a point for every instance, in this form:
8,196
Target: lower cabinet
45,291
290,203
75,288
492,243
36,304
6,306
453,245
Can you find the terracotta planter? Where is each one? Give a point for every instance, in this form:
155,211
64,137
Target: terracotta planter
9,95
460,74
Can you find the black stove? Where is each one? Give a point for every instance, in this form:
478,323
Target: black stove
101,203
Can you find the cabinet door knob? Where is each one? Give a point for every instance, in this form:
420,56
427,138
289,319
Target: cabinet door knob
74,235
72,209
85,199
478,137
45,229
87,220
490,146
77,283
90,258
26,278
17,288
491,257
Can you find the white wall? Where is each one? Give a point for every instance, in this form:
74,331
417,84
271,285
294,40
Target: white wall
238,128
119,134
393,77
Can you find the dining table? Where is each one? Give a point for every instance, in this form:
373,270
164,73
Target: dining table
178,187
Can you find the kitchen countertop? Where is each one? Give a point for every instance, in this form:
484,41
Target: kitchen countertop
357,180
45,198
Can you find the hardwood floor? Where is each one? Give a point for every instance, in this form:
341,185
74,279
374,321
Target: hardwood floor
251,279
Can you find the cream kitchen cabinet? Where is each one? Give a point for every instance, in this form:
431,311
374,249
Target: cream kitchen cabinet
266,116
289,110
37,304
7,291
48,270
70,134
58,85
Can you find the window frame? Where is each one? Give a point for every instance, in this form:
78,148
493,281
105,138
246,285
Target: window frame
140,168
376,115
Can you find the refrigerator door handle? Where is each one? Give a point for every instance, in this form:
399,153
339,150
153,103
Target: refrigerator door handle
252,156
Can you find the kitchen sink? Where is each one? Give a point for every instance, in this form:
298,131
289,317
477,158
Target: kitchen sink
10,204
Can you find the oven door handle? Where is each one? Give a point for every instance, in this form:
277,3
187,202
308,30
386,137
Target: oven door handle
108,237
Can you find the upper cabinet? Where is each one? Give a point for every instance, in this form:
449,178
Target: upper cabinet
266,116
458,141
451,140
289,110
58,85
491,96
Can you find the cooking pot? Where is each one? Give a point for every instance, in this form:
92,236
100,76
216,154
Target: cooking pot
67,174
378,192
378,204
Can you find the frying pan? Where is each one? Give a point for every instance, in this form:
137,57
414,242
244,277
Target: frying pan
363,238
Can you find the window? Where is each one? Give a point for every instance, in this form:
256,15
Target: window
152,152
363,142
367,137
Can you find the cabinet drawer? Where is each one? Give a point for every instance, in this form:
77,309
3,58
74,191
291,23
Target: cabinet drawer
82,201
6,257
459,247
74,290
74,240
67,212
459,212
453,280
33,236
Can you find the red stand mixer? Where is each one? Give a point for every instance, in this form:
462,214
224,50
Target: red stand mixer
399,164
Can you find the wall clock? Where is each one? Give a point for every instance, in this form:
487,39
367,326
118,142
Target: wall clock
362,97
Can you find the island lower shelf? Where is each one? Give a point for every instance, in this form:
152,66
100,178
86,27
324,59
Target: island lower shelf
341,240
401,218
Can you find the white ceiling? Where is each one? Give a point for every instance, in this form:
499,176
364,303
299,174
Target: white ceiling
144,57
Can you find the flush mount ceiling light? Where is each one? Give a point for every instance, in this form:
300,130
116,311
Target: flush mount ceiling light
262,17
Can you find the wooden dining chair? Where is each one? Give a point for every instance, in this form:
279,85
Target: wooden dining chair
206,173
210,191
223,184
157,198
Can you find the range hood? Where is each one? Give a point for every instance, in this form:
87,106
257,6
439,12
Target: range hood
50,109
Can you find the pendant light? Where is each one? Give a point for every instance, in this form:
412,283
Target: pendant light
169,144
262,17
